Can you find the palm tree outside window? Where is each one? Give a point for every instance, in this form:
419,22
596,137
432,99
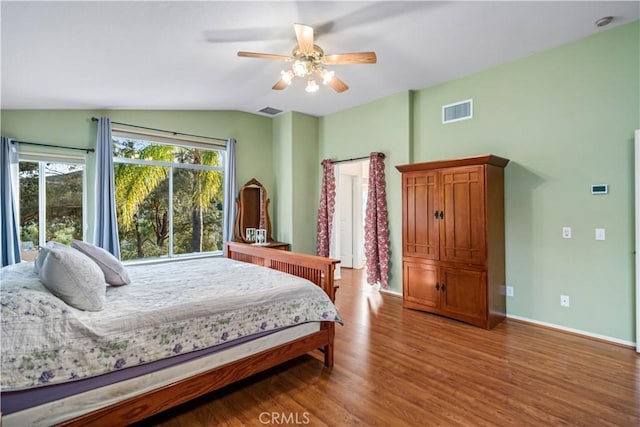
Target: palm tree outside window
169,197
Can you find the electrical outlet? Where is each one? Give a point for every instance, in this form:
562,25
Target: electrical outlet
564,300
600,234
566,232
509,291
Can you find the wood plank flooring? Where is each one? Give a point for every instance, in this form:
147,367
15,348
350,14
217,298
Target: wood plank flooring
398,367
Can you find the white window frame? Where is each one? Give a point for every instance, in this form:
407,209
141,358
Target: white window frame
172,141
41,159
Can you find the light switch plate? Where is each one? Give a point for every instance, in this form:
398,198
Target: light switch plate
566,232
600,234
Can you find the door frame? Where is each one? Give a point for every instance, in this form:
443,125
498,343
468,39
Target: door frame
359,170
637,245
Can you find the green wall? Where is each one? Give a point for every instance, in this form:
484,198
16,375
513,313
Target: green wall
296,165
565,118
381,126
74,128
306,185
282,197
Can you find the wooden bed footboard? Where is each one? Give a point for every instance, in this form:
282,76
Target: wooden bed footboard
318,270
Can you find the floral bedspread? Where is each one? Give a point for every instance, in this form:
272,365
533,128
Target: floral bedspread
168,309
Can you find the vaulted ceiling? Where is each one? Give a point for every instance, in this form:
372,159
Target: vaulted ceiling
183,54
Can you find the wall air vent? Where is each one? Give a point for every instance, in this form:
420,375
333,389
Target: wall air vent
270,111
455,112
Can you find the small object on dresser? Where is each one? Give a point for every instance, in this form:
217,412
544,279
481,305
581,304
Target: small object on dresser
251,234
261,236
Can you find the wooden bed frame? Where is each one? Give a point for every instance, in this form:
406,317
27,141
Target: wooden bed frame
319,270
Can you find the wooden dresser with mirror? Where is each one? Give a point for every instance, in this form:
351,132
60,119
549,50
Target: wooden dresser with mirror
253,214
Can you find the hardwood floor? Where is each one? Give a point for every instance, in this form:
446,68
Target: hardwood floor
398,367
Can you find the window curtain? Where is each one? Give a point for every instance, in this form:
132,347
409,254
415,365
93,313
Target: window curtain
106,223
10,247
230,192
327,205
376,229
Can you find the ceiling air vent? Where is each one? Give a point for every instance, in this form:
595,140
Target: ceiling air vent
462,110
270,111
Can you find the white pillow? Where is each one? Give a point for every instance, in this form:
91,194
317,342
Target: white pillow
74,278
114,272
37,265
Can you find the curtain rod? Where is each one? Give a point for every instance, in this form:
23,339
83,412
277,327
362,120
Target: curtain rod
94,119
88,150
349,160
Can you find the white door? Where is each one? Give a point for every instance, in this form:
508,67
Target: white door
637,173
346,220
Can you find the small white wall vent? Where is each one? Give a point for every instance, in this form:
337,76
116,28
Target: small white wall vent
455,112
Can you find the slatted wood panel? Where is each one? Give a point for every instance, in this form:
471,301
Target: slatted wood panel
252,259
311,274
319,270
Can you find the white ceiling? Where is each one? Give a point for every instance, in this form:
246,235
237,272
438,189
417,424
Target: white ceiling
182,54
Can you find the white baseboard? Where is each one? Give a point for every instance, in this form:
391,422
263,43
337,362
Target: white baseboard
573,331
386,291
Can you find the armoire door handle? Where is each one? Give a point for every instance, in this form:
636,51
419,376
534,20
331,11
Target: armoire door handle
441,214
437,286
435,214
443,287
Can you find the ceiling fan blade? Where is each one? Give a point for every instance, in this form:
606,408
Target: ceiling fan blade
337,85
351,58
280,85
263,56
304,34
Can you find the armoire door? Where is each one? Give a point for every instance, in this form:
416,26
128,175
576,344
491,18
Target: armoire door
420,234
419,283
462,229
465,292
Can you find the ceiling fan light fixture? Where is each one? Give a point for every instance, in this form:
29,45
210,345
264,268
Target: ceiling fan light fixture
308,59
312,86
287,76
327,76
300,68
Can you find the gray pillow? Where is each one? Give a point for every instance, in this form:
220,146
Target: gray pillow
37,265
114,272
74,278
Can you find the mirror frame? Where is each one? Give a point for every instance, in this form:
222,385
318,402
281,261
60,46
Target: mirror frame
265,222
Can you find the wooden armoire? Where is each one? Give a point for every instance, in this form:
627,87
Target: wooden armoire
453,238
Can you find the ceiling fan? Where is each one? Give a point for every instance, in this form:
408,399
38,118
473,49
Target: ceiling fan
309,59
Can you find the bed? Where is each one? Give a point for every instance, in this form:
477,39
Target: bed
132,369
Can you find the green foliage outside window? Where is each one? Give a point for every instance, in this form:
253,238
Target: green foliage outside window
143,189
63,187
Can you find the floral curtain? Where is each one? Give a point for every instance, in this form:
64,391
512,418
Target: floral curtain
327,206
376,229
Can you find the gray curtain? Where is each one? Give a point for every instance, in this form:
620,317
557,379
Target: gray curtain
10,247
106,224
230,192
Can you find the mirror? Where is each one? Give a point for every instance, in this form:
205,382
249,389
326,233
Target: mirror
253,212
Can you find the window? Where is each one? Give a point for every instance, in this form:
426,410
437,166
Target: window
51,201
169,197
